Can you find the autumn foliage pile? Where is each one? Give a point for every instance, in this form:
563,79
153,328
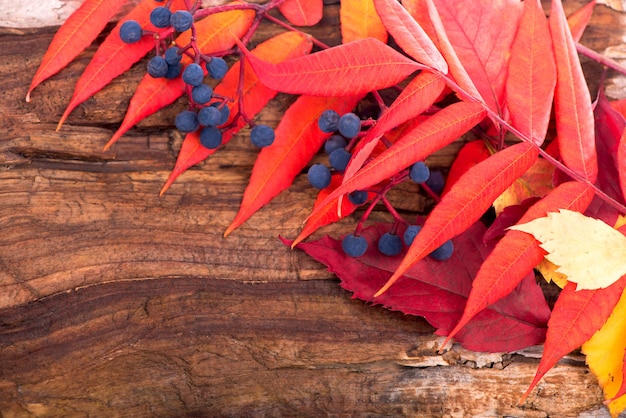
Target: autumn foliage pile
501,72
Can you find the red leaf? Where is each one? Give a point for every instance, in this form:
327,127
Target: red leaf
576,316
76,34
532,74
255,96
517,253
621,158
297,140
328,213
302,12
438,290
426,14
466,202
215,33
471,154
409,35
434,133
114,57
359,20
415,98
573,110
578,20
345,70
481,32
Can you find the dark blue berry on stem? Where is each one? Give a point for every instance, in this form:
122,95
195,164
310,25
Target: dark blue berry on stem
410,234
319,176
349,125
224,112
358,197
444,252
262,136
181,20
160,17
193,74
201,94
209,116
328,121
390,244
436,182
334,142
187,121
173,71
210,137
354,246
339,158
217,68
157,67
130,32
419,172
173,55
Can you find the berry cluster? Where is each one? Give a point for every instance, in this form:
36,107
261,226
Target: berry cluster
207,110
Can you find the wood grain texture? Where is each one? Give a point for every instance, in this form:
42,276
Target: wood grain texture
115,302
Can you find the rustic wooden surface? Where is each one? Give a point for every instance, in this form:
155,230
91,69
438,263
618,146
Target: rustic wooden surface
115,302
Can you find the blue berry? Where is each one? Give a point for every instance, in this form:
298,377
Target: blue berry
174,71
130,32
193,74
319,176
157,67
419,172
181,20
262,136
328,121
436,182
410,234
390,244
160,17
224,112
217,68
201,94
358,197
210,137
173,55
334,142
349,125
444,252
209,116
187,121
339,158
354,246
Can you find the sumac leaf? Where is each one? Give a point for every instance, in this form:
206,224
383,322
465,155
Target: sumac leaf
302,12
359,20
76,34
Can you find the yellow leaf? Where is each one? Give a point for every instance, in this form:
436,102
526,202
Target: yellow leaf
605,356
549,273
588,251
537,181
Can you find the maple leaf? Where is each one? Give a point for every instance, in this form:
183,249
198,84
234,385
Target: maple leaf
588,251
438,291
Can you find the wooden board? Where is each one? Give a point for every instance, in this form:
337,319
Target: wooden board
116,302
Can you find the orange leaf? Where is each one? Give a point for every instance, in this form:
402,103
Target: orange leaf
467,201
215,33
576,316
621,162
113,57
302,12
532,74
578,20
76,34
297,140
415,98
471,154
345,70
517,253
255,96
434,133
409,34
359,20
573,109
